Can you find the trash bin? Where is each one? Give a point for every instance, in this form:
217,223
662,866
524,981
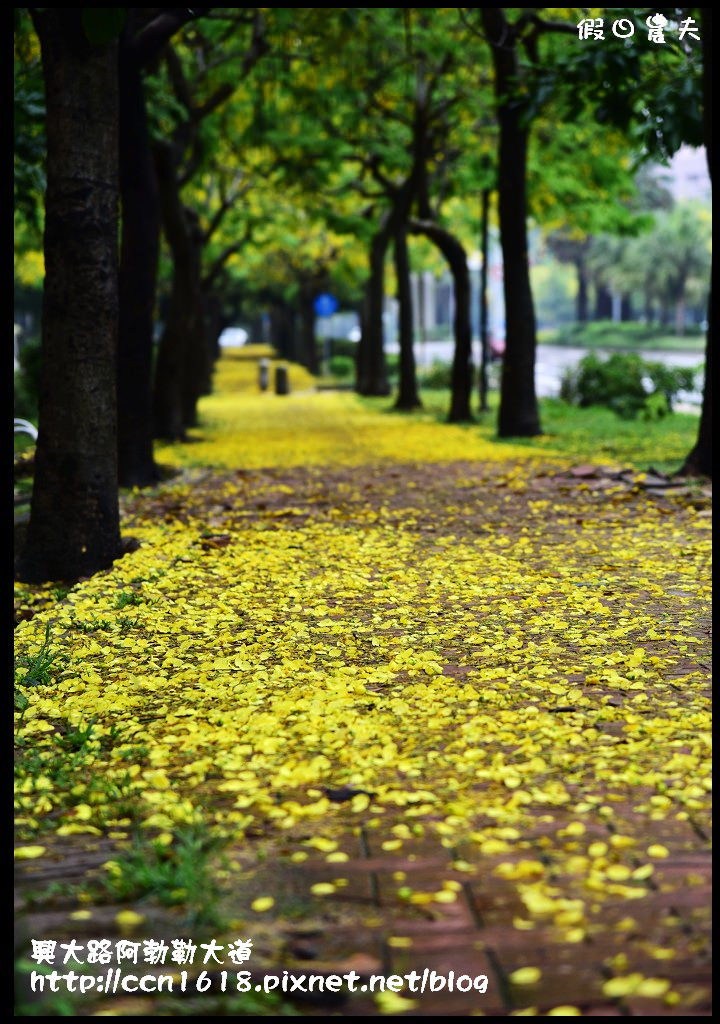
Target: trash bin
264,374
282,384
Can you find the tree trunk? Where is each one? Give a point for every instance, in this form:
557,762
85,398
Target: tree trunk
582,292
197,367
519,415
626,309
680,317
408,397
281,331
484,339
214,325
649,308
699,461
603,303
74,526
138,275
461,379
181,326
308,340
371,366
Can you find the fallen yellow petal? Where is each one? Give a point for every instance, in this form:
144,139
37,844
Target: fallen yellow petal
525,976
28,852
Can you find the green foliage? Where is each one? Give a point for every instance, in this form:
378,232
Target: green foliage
626,384
103,24
343,347
32,670
437,376
36,667
342,366
178,874
26,389
652,93
28,122
126,598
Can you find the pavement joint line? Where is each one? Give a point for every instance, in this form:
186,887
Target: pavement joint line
493,959
374,881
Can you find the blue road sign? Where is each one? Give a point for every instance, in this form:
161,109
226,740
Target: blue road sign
325,304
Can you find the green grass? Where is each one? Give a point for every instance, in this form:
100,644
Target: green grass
180,874
126,598
37,666
595,435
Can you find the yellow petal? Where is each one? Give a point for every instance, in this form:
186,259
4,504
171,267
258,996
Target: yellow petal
262,903
28,852
525,976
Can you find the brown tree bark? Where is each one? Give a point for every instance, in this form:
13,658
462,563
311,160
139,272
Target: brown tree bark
519,414
582,293
146,32
371,365
461,379
139,251
484,339
74,522
699,460
183,326
603,303
307,293
408,396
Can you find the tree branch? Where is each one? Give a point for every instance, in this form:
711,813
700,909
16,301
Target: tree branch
151,39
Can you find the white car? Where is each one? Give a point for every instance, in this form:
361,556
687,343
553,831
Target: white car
233,337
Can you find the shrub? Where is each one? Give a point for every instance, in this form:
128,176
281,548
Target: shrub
626,384
343,347
342,366
439,376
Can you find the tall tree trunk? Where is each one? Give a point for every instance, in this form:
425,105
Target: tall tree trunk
181,326
308,339
281,330
603,302
700,458
582,292
408,397
649,308
484,338
74,521
699,461
626,308
371,366
680,316
138,275
214,325
197,367
519,414
461,379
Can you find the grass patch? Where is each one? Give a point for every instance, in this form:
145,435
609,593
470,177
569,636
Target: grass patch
127,598
594,434
37,666
174,874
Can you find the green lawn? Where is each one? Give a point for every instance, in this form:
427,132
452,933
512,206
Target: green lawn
585,435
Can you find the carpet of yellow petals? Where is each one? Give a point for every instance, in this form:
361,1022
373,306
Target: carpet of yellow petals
445,705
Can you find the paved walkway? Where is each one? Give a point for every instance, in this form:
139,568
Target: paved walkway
552,836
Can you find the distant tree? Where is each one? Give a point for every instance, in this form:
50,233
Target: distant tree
146,33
